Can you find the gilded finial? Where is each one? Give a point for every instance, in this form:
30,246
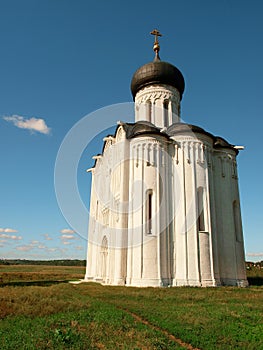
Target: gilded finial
156,46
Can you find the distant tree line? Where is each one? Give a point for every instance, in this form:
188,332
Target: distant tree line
76,262
65,262
250,264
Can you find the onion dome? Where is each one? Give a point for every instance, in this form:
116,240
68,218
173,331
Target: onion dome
157,72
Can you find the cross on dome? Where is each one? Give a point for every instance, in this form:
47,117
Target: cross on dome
156,46
156,33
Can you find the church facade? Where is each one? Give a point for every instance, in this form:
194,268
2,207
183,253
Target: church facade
164,205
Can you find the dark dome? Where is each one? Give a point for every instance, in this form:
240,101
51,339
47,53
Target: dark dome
157,72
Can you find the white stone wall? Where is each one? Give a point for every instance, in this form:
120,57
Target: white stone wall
195,235
192,253
147,248
107,238
231,260
165,211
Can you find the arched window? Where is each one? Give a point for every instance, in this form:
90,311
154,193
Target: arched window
200,209
149,211
148,110
165,113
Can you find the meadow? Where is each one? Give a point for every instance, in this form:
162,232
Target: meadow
39,309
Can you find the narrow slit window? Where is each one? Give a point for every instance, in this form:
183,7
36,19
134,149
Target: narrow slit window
201,216
237,224
165,115
149,212
148,110
97,210
117,210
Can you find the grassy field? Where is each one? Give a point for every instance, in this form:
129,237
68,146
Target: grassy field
15,274
40,311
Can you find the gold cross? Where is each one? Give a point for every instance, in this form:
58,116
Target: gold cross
156,33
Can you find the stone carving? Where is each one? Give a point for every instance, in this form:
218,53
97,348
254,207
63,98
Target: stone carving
154,93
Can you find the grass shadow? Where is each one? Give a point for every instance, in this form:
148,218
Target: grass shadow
255,281
32,283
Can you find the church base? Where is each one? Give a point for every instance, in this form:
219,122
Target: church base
177,282
93,279
195,283
88,279
107,281
234,282
116,282
210,283
156,282
148,282
242,283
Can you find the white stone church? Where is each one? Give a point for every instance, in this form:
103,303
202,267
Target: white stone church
164,207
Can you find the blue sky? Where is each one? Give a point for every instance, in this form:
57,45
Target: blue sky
61,60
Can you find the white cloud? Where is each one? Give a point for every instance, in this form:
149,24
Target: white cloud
5,234
8,230
66,242
13,237
254,254
31,246
52,249
79,247
24,248
67,237
32,124
67,230
63,250
47,237
34,242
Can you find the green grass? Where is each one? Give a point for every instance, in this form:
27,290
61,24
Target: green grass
100,326
91,316
30,273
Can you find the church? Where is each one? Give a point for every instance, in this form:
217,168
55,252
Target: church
164,204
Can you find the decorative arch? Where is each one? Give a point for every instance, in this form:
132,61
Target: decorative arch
120,135
107,145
